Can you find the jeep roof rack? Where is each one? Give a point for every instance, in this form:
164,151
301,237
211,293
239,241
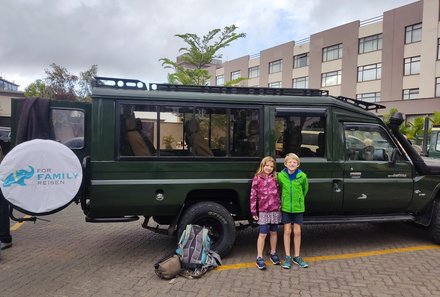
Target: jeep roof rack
239,90
118,83
362,104
134,84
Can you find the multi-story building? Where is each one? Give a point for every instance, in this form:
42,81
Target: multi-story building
393,59
8,90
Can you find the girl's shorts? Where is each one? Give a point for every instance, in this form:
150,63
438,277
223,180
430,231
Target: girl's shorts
296,218
264,229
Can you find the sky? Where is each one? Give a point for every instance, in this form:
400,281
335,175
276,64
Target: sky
126,38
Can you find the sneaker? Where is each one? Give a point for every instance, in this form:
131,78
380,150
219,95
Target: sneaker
6,245
287,262
300,262
274,259
260,263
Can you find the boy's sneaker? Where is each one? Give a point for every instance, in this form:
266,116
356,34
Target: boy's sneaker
5,245
260,263
300,262
274,259
287,264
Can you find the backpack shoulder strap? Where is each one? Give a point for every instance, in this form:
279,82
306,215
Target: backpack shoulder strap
183,239
206,239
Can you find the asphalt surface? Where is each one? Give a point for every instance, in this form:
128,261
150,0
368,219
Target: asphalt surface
69,257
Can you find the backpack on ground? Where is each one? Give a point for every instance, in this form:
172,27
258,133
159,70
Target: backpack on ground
194,249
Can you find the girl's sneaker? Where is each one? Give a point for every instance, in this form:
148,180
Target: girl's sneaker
300,262
274,259
287,264
260,263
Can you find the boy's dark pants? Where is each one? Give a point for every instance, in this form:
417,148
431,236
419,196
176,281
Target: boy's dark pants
5,233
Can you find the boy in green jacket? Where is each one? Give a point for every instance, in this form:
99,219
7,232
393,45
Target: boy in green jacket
294,187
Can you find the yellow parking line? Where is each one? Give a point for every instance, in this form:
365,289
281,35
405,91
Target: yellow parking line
18,225
339,257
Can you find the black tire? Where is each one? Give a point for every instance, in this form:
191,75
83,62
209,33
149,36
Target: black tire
218,220
434,227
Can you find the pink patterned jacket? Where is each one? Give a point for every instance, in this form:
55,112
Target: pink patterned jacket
266,191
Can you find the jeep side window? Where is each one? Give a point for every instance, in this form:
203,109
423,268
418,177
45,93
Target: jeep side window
213,136
301,134
191,131
367,143
245,133
137,130
68,127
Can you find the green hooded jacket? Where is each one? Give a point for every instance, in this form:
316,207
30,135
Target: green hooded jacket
294,188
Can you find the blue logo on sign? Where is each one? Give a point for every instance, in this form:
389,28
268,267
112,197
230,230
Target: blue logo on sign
18,177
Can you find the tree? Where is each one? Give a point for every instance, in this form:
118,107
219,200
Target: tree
62,85
435,120
198,54
415,130
84,86
36,89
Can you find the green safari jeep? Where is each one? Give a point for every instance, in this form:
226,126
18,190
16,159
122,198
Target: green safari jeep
176,155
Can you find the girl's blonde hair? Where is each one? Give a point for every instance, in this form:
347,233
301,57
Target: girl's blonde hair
291,156
264,162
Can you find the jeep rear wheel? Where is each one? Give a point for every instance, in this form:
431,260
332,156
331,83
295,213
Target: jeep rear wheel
434,227
217,219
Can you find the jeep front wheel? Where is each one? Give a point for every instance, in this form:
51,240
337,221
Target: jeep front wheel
434,227
217,219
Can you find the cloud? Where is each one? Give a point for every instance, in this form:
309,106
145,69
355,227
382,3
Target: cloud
126,38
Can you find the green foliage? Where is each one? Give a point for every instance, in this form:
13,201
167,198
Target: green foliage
36,89
387,116
185,76
415,130
84,86
435,120
234,82
198,54
62,85
168,141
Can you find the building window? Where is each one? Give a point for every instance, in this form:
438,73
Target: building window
412,65
413,33
370,43
235,75
275,66
369,72
369,97
276,84
410,94
331,78
333,52
301,82
437,87
254,72
301,60
7,86
220,80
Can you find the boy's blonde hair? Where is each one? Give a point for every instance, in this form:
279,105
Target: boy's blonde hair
264,162
291,156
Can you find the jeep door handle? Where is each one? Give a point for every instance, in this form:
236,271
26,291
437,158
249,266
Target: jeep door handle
337,185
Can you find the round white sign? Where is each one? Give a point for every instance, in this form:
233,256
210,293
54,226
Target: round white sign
40,176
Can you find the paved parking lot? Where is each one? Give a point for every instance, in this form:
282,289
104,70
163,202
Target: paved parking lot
69,257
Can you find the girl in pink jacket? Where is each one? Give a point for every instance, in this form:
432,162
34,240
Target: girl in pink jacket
265,208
